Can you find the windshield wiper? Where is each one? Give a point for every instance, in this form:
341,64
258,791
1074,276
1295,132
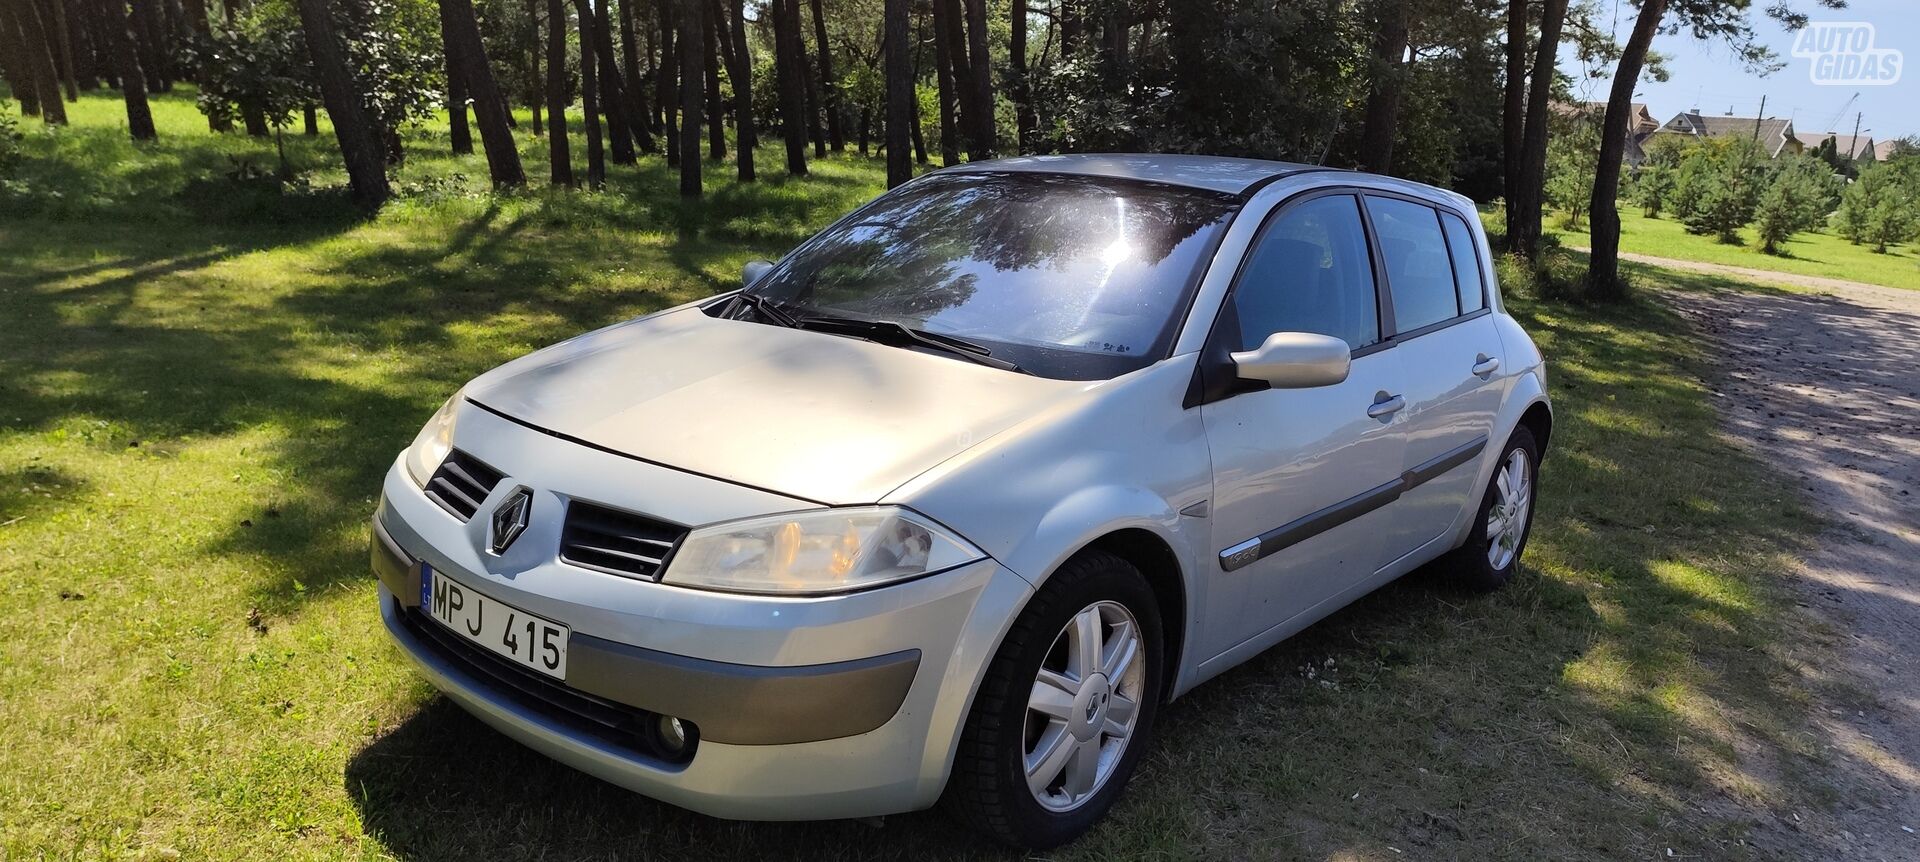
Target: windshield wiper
901,335
766,308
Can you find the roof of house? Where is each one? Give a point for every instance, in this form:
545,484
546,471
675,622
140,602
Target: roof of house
1773,132
1641,119
1848,146
1883,150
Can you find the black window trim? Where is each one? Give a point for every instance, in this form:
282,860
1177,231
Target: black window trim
1213,378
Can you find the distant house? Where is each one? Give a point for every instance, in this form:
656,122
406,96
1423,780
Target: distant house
1857,148
1884,150
1640,123
1775,135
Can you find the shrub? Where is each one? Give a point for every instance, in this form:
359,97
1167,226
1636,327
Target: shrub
9,143
1880,208
1797,199
1652,187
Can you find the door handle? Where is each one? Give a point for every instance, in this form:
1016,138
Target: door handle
1485,365
1387,407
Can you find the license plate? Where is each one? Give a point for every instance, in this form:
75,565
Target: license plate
525,639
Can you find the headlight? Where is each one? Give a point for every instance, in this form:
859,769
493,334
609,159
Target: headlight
431,445
822,551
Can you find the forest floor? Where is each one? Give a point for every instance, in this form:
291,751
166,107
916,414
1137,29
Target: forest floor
203,375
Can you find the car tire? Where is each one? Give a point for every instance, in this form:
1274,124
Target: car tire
1492,551
1005,730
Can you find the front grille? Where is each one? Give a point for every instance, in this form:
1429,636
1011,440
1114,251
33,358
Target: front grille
461,483
630,729
616,542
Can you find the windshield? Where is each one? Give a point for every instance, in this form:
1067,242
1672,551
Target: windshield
1072,277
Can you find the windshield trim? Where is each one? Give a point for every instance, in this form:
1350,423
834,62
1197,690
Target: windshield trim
1178,312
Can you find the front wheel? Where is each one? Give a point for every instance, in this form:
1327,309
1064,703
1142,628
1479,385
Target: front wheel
1066,707
1505,518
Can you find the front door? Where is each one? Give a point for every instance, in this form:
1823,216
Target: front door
1299,473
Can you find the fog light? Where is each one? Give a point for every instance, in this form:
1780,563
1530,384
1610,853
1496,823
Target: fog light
673,734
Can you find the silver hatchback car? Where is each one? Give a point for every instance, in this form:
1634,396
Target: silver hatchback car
948,501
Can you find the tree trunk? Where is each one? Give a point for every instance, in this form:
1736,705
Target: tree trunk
39,62
146,35
461,136
80,31
829,88
613,93
1603,273
693,64
309,120
559,150
984,138
665,89
1024,122
590,97
1383,98
1523,232
710,28
54,20
1070,28
815,133
740,74
1513,119
900,95
535,91
126,61
14,66
789,60
359,143
639,115
462,35
944,84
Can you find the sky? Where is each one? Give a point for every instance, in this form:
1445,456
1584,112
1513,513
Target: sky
1706,75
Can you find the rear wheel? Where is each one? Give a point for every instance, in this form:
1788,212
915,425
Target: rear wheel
1492,552
1066,707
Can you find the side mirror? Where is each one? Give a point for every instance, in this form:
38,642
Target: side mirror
1296,360
754,271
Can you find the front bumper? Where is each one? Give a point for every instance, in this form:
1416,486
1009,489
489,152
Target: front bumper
807,708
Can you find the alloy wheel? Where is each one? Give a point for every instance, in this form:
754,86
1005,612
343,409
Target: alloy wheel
1084,706
1512,504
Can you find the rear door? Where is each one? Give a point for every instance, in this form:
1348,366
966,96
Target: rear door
1299,473
1446,339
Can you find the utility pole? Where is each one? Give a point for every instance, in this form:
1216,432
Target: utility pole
1758,118
1854,144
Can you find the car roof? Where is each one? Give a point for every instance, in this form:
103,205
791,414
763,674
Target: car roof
1214,173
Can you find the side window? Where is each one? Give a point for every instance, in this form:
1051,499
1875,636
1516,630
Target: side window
1309,272
1418,273
1466,264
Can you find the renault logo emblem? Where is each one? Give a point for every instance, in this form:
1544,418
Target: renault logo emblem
510,520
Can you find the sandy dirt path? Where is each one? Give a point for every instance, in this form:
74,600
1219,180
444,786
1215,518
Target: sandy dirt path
1827,388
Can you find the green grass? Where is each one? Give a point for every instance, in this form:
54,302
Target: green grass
195,412
1818,254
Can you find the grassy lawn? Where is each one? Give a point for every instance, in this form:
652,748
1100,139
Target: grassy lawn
196,408
1821,254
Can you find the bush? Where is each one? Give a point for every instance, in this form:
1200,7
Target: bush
1882,208
9,143
1652,187
1797,199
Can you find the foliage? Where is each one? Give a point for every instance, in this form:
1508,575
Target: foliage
1798,198
1882,208
1573,152
9,142
1718,185
1652,187
396,51
256,58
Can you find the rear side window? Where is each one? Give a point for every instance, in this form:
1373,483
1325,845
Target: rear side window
1419,273
1309,272
1466,264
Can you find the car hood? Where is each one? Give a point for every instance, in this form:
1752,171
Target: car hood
820,417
